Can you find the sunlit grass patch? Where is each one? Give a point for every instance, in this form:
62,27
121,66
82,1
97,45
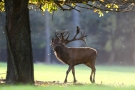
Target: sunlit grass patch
52,77
106,75
64,87
3,70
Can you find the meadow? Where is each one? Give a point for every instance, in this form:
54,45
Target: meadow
51,77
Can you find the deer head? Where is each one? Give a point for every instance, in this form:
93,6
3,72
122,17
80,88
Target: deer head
64,35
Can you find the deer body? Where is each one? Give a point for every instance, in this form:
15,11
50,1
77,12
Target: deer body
74,56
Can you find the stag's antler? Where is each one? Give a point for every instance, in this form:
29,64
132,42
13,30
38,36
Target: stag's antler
61,35
66,33
56,34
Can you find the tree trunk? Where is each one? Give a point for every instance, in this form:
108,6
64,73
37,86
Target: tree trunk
20,61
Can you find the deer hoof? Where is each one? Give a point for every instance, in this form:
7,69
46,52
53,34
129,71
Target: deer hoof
93,81
75,81
65,81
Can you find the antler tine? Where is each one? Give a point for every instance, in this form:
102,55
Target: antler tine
63,35
80,38
83,34
67,36
77,32
66,33
56,35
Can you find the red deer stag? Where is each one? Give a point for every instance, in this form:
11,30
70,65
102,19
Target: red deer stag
74,56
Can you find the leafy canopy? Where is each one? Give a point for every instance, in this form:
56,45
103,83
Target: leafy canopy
2,5
96,5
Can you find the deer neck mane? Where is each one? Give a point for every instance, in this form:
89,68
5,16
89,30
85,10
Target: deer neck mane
62,53
61,48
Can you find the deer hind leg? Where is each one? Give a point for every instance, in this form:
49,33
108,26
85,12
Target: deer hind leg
94,71
69,68
92,79
73,72
89,65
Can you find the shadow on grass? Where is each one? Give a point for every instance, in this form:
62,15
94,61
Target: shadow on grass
56,83
49,83
70,84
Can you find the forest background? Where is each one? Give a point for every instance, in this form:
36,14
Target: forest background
112,35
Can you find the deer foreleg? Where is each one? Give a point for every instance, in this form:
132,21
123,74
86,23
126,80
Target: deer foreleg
92,71
69,68
73,72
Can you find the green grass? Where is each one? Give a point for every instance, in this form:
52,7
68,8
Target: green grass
73,87
107,78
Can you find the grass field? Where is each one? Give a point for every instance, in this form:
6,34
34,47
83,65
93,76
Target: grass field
107,78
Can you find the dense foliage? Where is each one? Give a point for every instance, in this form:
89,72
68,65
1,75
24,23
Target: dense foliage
96,5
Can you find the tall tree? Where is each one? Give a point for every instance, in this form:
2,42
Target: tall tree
20,62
